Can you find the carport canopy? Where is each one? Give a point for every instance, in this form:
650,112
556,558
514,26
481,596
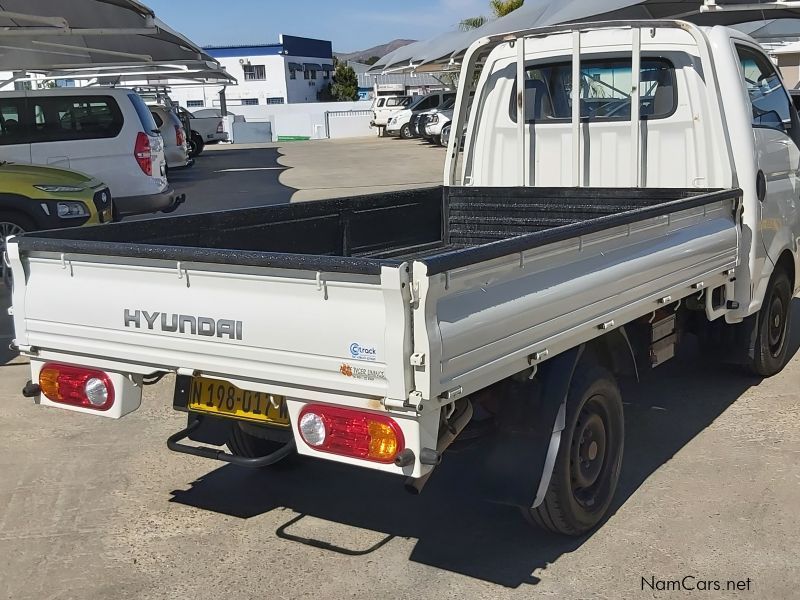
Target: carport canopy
88,38
446,51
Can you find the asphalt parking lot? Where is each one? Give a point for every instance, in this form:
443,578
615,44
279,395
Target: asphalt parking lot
245,176
96,509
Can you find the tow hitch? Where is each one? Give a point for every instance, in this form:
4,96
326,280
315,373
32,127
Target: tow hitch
173,443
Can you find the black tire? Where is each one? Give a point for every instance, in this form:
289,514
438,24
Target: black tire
589,460
774,324
444,139
196,145
405,132
11,223
245,444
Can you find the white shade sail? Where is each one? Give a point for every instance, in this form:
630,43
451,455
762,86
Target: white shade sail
55,36
447,49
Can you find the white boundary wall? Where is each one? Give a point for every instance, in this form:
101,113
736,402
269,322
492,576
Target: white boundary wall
308,120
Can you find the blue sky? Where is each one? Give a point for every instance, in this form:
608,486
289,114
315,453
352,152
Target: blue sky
349,24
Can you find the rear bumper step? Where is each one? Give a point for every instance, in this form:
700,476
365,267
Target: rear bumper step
173,443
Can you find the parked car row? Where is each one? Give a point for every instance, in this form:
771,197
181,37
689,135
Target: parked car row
85,156
199,129
425,117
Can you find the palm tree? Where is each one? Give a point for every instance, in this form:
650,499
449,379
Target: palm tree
499,8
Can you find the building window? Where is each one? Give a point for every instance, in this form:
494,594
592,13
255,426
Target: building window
195,103
275,101
254,72
292,74
306,74
249,101
313,74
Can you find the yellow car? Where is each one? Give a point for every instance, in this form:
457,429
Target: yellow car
34,197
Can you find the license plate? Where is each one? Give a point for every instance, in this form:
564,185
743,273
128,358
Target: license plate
223,399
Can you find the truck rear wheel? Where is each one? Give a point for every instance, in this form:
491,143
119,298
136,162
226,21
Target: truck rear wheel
589,459
245,441
774,324
196,145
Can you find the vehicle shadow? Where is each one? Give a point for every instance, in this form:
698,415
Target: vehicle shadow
456,530
228,179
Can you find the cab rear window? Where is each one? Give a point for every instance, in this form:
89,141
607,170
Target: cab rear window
605,86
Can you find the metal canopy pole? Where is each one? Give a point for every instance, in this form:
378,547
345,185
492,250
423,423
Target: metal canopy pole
636,104
223,103
576,108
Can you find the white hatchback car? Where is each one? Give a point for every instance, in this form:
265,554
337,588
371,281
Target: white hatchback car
108,133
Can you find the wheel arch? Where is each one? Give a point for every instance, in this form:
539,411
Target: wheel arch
17,203
615,352
787,262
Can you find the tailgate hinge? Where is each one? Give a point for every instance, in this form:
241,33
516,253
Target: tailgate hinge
414,402
417,360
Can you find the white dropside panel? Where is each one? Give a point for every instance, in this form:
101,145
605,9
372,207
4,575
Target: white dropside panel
338,332
482,323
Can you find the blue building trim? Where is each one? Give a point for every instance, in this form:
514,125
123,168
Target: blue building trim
299,46
291,46
233,51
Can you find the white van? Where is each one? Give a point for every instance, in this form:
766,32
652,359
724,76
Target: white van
384,107
108,133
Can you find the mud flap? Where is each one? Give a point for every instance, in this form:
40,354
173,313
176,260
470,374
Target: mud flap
519,462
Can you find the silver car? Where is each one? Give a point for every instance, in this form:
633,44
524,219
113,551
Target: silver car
175,143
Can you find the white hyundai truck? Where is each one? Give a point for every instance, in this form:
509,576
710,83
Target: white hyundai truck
616,186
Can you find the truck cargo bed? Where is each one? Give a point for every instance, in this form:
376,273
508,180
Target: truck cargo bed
443,227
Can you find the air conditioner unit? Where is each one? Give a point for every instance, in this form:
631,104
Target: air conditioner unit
241,61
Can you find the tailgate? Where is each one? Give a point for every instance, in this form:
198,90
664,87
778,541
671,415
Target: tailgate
297,329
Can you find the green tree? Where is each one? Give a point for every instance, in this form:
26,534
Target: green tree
499,8
345,83
372,60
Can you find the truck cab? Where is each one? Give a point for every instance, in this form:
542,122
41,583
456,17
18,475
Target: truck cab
681,115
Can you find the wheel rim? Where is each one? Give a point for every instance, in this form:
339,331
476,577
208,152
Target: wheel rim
776,330
589,454
7,229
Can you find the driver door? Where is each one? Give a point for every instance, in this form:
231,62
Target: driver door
776,131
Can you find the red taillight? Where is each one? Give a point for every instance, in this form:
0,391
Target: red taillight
353,433
143,154
220,128
76,386
180,139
